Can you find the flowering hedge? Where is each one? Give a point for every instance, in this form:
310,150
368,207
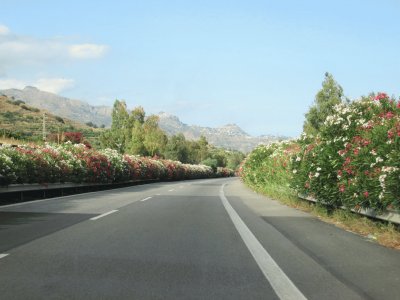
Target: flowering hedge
77,163
224,172
354,160
269,166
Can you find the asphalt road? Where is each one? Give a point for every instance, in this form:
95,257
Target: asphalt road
204,239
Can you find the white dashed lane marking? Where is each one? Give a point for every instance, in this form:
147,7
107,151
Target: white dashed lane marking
103,215
145,199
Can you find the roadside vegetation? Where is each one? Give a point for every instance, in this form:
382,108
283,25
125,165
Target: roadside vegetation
135,133
21,123
348,156
78,163
135,148
132,132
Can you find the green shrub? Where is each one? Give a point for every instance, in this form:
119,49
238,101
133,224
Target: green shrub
354,161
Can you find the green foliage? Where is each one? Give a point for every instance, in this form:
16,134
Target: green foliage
15,134
16,102
134,133
330,95
91,124
154,138
211,162
177,148
354,161
136,144
269,165
9,116
234,159
118,136
137,134
78,163
219,155
119,125
59,119
29,108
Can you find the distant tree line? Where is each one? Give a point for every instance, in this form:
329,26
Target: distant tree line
138,134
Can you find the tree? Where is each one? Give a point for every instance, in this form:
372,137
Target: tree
211,162
138,114
220,155
91,124
136,143
119,125
154,138
330,95
177,148
234,159
117,136
203,148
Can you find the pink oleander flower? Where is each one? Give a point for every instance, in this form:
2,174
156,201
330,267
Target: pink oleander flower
389,115
381,96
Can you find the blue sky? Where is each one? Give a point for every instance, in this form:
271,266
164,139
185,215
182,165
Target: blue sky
258,64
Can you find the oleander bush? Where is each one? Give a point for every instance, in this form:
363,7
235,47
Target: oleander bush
80,164
353,161
267,168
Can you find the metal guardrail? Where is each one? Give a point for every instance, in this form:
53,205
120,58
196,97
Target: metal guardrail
16,193
391,216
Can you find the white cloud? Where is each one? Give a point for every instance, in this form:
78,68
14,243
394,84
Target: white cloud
87,51
4,30
12,84
52,85
18,50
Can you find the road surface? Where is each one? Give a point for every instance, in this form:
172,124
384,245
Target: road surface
199,239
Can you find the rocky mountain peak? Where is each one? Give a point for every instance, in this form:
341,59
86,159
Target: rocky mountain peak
31,88
233,129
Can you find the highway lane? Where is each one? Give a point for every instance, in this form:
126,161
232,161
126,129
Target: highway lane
204,239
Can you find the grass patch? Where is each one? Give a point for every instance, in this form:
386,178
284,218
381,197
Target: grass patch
18,142
384,233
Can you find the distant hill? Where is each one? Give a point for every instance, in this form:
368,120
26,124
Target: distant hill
64,107
26,122
229,136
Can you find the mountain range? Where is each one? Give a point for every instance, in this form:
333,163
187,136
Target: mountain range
229,136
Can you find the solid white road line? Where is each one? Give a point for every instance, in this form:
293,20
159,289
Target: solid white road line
103,215
282,285
3,255
145,199
171,190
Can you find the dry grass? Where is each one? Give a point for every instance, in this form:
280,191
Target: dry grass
381,232
12,141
